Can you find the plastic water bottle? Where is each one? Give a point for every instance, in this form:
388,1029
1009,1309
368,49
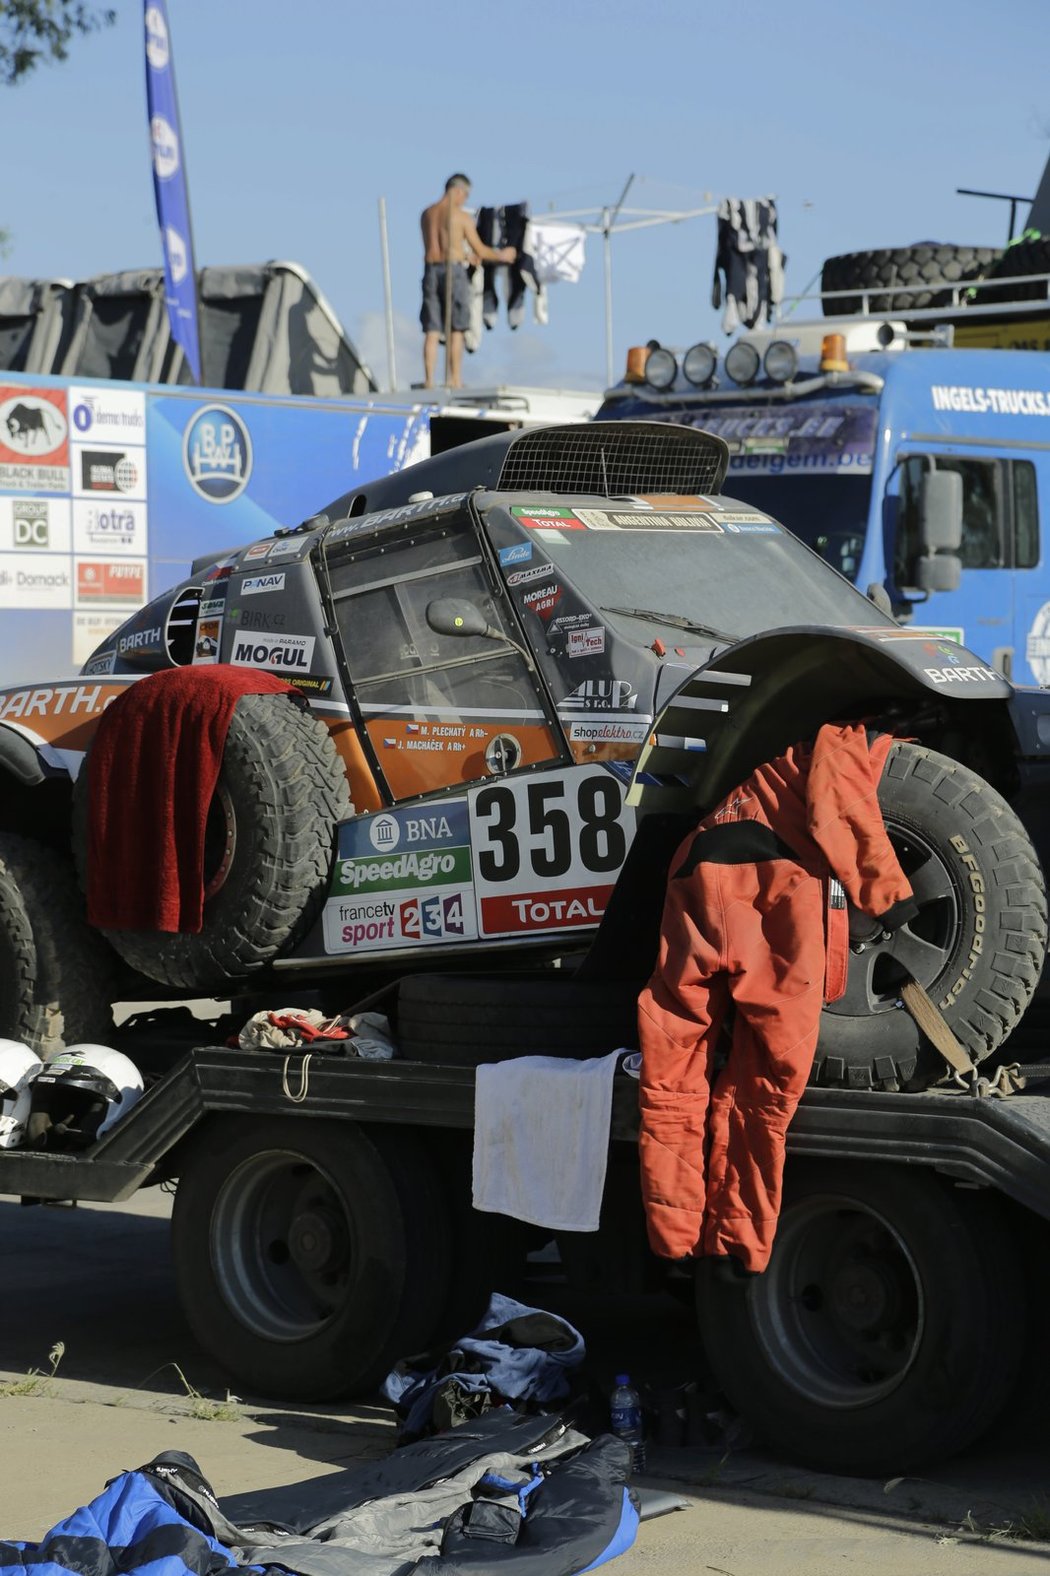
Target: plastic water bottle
625,1416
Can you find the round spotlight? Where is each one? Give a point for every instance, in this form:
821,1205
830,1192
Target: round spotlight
661,369
742,362
699,363
780,361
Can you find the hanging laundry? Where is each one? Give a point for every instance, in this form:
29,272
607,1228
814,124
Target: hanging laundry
507,226
557,250
755,920
749,261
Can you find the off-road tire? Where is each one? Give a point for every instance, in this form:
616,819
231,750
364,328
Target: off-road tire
390,1265
55,971
887,1332
284,785
1027,257
460,1020
960,839
928,262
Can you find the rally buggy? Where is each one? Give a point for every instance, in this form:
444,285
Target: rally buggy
493,644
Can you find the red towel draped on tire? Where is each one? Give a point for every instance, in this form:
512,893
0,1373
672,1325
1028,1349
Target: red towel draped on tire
153,767
752,921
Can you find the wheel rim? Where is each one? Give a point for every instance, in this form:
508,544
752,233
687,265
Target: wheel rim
282,1246
840,1311
220,841
921,948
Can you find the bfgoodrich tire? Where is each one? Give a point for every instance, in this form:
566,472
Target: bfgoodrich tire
309,1254
887,1332
929,263
977,944
268,849
54,970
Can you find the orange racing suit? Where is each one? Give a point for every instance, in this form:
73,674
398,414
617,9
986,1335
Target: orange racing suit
754,918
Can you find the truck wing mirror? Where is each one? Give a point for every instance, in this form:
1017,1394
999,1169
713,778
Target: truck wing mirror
938,571
453,615
941,512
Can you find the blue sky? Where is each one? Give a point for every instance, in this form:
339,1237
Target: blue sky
862,119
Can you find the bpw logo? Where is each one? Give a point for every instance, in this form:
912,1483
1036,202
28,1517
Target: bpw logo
217,454
30,523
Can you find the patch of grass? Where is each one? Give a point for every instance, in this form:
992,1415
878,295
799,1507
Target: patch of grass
209,1411
793,1490
36,1381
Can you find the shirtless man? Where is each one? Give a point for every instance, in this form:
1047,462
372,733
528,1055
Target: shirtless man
449,233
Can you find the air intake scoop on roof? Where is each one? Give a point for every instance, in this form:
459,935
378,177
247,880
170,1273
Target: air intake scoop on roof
612,458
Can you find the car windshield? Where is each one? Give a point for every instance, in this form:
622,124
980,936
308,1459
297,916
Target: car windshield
829,513
741,579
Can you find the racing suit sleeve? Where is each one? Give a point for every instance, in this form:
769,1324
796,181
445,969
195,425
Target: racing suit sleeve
845,820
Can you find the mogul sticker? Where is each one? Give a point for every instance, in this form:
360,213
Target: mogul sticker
252,650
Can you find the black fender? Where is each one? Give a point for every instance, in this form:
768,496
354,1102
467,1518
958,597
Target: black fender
19,759
755,698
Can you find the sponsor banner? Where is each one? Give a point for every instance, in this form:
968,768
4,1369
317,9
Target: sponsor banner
378,922
544,519
112,415
35,580
290,547
34,440
259,618
544,910
258,550
402,871
57,712
99,667
379,519
35,525
805,437
547,849
585,642
108,472
997,401
214,607
251,650
110,526
522,577
89,631
311,683
609,731
543,599
616,695
649,520
170,189
404,850
961,675
100,583
255,585
150,639
520,553
209,639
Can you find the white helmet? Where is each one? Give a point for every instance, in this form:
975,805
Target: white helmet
83,1092
17,1066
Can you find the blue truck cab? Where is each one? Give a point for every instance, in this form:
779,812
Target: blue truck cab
908,463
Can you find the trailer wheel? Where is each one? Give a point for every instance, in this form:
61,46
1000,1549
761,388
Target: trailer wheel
309,1254
977,945
54,970
887,1331
268,848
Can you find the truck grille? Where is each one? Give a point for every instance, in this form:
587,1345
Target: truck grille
614,458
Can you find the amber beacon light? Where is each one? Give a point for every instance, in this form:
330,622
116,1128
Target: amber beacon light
833,353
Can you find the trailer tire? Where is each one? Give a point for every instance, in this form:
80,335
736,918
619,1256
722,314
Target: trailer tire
927,262
1031,256
309,1254
461,1020
268,849
55,972
888,1330
977,945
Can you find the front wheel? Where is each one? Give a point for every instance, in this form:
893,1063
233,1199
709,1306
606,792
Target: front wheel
887,1332
977,944
309,1254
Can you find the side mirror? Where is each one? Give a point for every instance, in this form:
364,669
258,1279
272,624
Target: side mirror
453,615
878,594
941,512
938,571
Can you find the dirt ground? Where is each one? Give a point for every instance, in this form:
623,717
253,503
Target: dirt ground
131,1381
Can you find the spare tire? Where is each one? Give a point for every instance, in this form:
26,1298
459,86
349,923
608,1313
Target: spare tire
55,972
1030,256
977,944
928,262
268,849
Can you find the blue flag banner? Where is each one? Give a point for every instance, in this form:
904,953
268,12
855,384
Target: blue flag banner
169,185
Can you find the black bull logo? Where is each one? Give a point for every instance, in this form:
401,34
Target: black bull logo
27,425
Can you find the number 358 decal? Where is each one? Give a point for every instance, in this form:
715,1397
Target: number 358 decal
547,849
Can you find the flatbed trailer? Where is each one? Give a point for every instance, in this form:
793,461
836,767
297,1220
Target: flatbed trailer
889,1326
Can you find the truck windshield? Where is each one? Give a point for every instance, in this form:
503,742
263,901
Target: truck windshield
739,580
829,513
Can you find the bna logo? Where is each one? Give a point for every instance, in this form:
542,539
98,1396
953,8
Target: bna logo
217,454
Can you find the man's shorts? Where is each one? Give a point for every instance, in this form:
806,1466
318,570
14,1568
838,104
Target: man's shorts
432,315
